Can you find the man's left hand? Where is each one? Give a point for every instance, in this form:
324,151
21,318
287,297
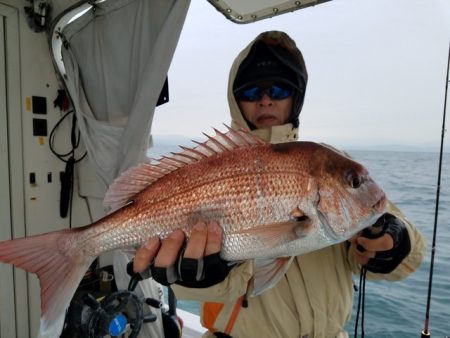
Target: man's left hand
382,254
370,246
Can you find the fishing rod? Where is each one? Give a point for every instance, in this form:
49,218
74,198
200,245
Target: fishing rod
425,332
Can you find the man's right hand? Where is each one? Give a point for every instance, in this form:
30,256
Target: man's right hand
200,265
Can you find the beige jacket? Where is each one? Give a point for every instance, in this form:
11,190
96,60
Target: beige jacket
313,299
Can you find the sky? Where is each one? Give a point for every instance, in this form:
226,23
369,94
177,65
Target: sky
377,71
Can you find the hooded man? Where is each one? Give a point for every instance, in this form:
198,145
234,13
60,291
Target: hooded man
266,91
273,58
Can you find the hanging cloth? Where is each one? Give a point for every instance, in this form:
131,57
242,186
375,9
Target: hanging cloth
116,58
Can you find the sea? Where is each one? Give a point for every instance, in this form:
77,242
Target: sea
398,309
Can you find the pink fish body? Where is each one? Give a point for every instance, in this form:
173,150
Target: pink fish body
272,202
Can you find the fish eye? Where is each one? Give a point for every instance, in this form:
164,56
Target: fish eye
354,179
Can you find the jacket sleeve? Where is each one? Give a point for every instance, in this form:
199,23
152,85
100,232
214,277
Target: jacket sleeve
409,264
232,287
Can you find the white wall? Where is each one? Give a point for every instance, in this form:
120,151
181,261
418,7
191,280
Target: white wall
27,209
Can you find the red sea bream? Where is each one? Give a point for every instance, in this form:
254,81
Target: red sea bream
272,202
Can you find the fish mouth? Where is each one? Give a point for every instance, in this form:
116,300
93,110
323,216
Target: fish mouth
380,205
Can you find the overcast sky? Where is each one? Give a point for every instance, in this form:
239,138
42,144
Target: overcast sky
377,70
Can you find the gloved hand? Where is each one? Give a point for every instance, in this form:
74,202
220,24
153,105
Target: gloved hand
193,273
383,251
197,266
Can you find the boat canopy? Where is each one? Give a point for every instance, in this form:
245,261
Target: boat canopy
247,11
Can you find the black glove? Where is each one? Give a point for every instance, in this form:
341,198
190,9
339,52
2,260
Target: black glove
387,261
193,273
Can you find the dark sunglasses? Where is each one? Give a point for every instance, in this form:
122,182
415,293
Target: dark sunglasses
255,93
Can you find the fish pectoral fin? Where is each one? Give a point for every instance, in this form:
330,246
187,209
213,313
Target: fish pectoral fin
268,272
303,226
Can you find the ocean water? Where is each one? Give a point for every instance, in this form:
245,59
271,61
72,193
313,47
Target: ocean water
397,309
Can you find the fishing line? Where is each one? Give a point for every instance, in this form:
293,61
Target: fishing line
361,301
425,331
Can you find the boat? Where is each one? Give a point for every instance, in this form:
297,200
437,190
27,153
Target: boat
79,86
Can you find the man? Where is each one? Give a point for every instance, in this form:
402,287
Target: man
314,299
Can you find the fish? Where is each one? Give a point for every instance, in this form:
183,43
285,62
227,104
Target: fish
273,202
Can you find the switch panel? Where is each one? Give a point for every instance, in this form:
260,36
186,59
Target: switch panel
39,104
39,127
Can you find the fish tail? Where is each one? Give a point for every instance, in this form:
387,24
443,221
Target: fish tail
59,265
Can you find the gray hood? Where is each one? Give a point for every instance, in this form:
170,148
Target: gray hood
291,57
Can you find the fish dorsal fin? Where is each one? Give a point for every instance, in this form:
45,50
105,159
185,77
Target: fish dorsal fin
136,179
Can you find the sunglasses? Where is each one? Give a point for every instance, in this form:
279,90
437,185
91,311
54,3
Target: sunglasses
255,93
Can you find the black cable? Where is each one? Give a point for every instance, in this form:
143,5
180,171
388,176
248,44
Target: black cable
75,141
363,305
361,301
52,135
359,305
67,177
